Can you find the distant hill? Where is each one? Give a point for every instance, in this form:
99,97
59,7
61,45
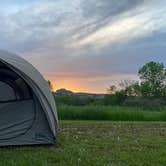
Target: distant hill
61,92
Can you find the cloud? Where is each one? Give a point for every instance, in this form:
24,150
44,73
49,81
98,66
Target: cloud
65,40
31,25
140,22
107,8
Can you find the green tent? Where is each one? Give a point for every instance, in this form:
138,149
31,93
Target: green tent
27,108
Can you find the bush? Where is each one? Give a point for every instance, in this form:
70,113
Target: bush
73,100
145,102
115,99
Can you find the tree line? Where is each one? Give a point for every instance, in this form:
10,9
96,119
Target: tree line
149,91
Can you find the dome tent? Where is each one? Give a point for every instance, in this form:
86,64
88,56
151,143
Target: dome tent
27,107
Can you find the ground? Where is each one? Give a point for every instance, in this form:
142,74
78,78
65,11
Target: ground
96,143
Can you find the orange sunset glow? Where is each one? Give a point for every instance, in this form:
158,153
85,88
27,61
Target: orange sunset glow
81,50
68,84
97,84
75,85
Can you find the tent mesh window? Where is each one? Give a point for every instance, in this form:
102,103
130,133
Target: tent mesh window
17,109
12,87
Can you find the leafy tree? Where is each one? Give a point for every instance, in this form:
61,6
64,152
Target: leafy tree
112,89
130,87
153,79
50,85
134,89
115,99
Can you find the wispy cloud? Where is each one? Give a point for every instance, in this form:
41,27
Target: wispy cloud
136,23
90,41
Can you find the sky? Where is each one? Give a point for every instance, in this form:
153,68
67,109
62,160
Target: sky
85,45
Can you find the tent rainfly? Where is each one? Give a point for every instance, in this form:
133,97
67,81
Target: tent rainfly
27,108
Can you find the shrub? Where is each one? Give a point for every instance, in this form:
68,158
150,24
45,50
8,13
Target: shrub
145,102
115,99
73,100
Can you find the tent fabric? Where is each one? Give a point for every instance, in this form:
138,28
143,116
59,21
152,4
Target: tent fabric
6,92
12,126
27,128
25,73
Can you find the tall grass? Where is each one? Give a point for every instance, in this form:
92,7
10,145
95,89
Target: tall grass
109,113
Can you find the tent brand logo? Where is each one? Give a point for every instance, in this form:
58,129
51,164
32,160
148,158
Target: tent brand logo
41,136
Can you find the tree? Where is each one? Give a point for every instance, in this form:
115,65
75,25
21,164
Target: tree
112,89
131,87
153,79
115,99
50,85
134,89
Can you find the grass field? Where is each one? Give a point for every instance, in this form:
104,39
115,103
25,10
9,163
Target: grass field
110,113
96,143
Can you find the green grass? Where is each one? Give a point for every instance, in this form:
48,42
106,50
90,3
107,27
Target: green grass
109,113
96,143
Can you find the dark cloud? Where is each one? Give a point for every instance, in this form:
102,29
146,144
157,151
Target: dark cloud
107,8
49,33
126,58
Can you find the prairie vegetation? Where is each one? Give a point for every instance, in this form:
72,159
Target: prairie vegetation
96,143
111,113
143,100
